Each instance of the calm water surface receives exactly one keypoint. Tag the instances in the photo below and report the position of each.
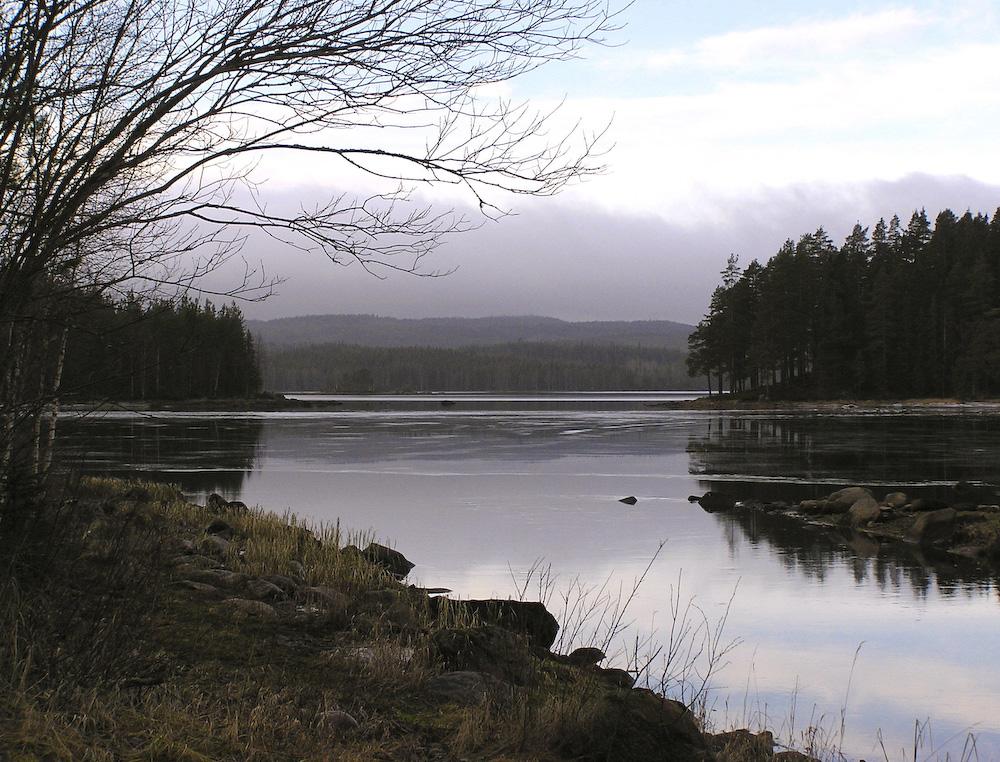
(475, 497)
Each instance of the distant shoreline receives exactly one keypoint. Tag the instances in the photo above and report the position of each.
(724, 403)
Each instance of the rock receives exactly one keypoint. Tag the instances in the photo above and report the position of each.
(216, 503)
(199, 587)
(297, 569)
(630, 500)
(527, 617)
(262, 590)
(988, 508)
(743, 745)
(933, 526)
(636, 725)
(896, 500)
(715, 502)
(864, 511)
(812, 507)
(217, 577)
(586, 657)
(619, 678)
(287, 584)
(927, 504)
(842, 500)
(242, 607)
(336, 721)
(486, 649)
(214, 545)
(391, 560)
(238, 507)
(467, 688)
(185, 546)
(323, 597)
(137, 495)
(793, 756)
(220, 528)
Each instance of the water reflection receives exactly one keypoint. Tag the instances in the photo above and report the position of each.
(810, 551)
(203, 454)
(822, 450)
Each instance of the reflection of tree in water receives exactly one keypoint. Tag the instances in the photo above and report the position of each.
(864, 449)
(202, 455)
(812, 551)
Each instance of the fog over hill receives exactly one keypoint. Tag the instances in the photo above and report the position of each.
(376, 331)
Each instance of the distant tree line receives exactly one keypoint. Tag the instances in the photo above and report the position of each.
(521, 366)
(905, 311)
(139, 349)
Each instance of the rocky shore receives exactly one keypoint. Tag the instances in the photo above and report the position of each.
(965, 524)
(247, 635)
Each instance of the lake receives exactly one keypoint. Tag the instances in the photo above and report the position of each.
(479, 493)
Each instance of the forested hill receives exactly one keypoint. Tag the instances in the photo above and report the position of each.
(905, 311)
(375, 331)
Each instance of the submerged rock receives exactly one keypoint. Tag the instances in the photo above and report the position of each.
(630, 500)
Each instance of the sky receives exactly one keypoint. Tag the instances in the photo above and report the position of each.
(733, 127)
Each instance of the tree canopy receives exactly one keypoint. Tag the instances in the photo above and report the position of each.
(900, 312)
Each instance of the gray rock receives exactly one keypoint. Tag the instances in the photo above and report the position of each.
(616, 677)
(217, 577)
(326, 598)
(199, 587)
(287, 584)
(336, 721)
(242, 607)
(864, 511)
(214, 545)
(262, 590)
(812, 507)
(927, 504)
(220, 528)
(238, 507)
(586, 657)
(528, 617)
(896, 499)
(216, 503)
(933, 526)
(466, 688)
(842, 500)
(630, 500)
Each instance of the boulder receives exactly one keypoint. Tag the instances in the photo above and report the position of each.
(527, 617)
(336, 722)
(243, 608)
(618, 678)
(635, 725)
(487, 649)
(214, 545)
(464, 687)
(630, 500)
(220, 528)
(216, 503)
(262, 590)
(326, 598)
(391, 560)
(743, 745)
(201, 588)
(864, 511)
(793, 756)
(586, 657)
(933, 526)
(927, 504)
(812, 507)
(238, 507)
(715, 502)
(287, 584)
(842, 500)
(896, 500)
(218, 577)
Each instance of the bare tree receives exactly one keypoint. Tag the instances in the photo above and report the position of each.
(130, 129)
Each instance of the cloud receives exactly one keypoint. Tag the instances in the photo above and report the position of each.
(803, 42)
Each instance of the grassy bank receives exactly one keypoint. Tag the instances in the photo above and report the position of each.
(140, 626)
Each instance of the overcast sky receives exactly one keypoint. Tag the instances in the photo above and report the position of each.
(735, 127)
